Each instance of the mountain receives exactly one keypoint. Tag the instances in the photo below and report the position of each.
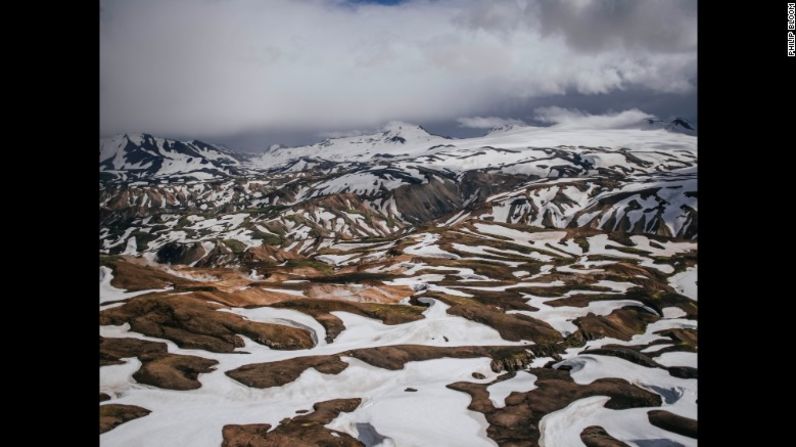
(142, 156)
(405, 142)
(402, 288)
(504, 128)
(396, 139)
(638, 181)
(674, 125)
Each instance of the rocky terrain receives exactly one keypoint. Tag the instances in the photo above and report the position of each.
(534, 286)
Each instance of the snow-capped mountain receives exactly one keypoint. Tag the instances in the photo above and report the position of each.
(674, 125)
(142, 156)
(630, 180)
(396, 139)
(501, 147)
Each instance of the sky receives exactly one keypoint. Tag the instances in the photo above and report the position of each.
(251, 73)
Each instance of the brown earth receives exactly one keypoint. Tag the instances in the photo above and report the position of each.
(158, 367)
(517, 424)
(381, 293)
(682, 337)
(673, 423)
(596, 436)
(657, 301)
(113, 350)
(301, 431)
(266, 375)
(270, 374)
(514, 327)
(134, 274)
(113, 415)
(320, 310)
(173, 371)
(622, 323)
(625, 353)
(193, 321)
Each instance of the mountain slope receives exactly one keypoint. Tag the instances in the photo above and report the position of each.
(142, 156)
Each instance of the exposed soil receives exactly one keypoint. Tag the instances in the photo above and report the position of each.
(113, 415)
(158, 367)
(673, 423)
(266, 375)
(517, 424)
(300, 431)
(514, 327)
(320, 310)
(193, 321)
(172, 371)
(270, 374)
(622, 323)
(596, 436)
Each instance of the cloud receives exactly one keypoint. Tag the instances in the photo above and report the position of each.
(206, 68)
(649, 25)
(573, 118)
(342, 133)
(487, 122)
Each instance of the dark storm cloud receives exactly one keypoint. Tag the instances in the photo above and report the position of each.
(288, 71)
(647, 25)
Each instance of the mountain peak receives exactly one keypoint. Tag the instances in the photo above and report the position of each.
(681, 122)
(142, 155)
(403, 128)
(504, 128)
(676, 124)
(136, 138)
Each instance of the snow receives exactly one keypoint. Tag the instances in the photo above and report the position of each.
(523, 144)
(434, 415)
(492, 251)
(356, 148)
(431, 330)
(360, 183)
(678, 396)
(428, 248)
(685, 282)
(563, 427)
(656, 348)
(673, 312)
(131, 248)
(678, 358)
(347, 246)
(116, 149)
(284, 291)
(458, 217)
(122, 238)
(116, 380)
(669, 248)
(561, 317)
(196, 417)
(336, 259)
(538, 240)
(522, 382)
(556, 283)
(615, 286)
(598, 246)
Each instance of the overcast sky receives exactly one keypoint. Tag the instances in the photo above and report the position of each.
(250, 73)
